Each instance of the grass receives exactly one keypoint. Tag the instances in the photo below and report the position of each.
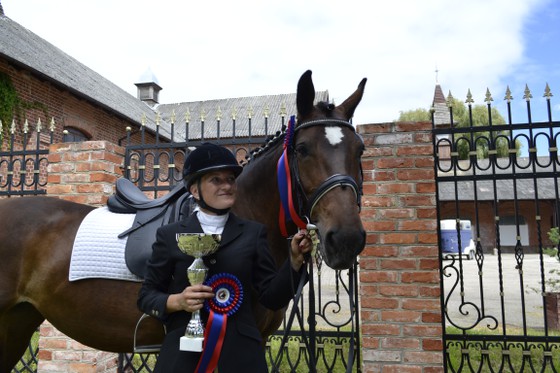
(28, 362)
(332, 353)
(486, 352)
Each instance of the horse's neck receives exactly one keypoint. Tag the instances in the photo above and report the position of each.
(258, 198)
(257, 195)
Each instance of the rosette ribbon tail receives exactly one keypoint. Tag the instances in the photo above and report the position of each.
(228, 299)
(213, 340)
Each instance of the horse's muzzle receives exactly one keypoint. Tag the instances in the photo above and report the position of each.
(341, 247)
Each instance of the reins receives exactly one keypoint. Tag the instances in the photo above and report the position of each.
(310, 346)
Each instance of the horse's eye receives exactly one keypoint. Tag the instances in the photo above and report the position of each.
(301, 149)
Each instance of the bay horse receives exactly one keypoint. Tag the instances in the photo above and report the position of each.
(37, 235)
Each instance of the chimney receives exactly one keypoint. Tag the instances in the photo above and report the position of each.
(148, 88)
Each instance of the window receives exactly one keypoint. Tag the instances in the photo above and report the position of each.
(74, 135)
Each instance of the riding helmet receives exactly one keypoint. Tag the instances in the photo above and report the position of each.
(208, 157)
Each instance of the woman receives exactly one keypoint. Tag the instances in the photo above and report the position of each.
(209, 175)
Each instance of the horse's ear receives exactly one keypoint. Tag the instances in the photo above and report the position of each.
(350, 104)
(305, 95)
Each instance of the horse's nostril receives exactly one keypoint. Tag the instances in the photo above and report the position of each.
(341, 247)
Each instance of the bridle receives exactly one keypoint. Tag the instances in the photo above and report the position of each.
(304, 210)
(301, 205)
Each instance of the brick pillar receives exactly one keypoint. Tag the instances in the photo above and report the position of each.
(82, 172)
(399, 268)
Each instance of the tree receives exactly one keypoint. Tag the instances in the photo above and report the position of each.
(418, 115)
(500, 140)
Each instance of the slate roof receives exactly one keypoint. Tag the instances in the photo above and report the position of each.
(26, 49)
(265, 113)
(525, 174)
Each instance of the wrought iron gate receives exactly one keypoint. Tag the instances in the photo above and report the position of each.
(497, 316)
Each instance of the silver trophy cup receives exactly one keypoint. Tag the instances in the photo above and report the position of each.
(197, 245)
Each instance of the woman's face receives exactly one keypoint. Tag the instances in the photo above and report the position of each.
(218, 189)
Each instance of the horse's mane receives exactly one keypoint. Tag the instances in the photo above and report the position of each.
(325, 107)
(269, 143)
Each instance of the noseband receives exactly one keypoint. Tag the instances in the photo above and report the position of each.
(305, 205)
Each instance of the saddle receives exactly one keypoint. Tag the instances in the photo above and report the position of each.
(150, 215)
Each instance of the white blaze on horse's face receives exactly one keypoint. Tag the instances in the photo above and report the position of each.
(334, 135)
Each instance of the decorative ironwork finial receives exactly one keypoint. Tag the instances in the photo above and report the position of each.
(283, 111)
(469, 101)
(202, 114)
(26, 126)
(128, 128)
(158, 118)
(508, 97)
(527, 93)
(449, 100)
(39, 125)
(173, 117)
(13, 127)
(188, 116)
(266, 111)
(143, 121)
(234, 113)
(488, 97)
(52, 125)
(547, 93)
(219, 114)
(250, 112)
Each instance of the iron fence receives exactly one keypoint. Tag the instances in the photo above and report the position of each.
(503, 180)
(23, 160)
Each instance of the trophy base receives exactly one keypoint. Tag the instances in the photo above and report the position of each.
(193, 344)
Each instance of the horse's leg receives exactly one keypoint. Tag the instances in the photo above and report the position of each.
(17, 325)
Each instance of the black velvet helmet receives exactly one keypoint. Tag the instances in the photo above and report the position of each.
(208, 157)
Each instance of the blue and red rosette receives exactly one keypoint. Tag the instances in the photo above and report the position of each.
(228, 299)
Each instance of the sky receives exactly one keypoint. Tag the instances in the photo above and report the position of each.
(218, 49)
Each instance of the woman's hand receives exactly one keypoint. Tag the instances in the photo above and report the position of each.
(191, 299)
(301, 244)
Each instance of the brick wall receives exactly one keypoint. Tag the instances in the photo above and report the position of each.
(85, 173)
(399, 277)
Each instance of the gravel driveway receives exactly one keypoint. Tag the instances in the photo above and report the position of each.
(496, 310)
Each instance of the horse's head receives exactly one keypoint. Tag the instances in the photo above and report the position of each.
(327, 160)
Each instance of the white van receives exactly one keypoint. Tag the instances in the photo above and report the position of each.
(450, 238)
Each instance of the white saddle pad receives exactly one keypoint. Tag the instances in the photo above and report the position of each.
(97, 251)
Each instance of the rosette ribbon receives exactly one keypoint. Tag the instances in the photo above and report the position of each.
(228, 299)
(284, 176)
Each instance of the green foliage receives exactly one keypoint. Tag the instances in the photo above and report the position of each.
(418, 115)
(478, 116)
(554, 235)
(552, 282)
(8, 103)
(13, 107)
